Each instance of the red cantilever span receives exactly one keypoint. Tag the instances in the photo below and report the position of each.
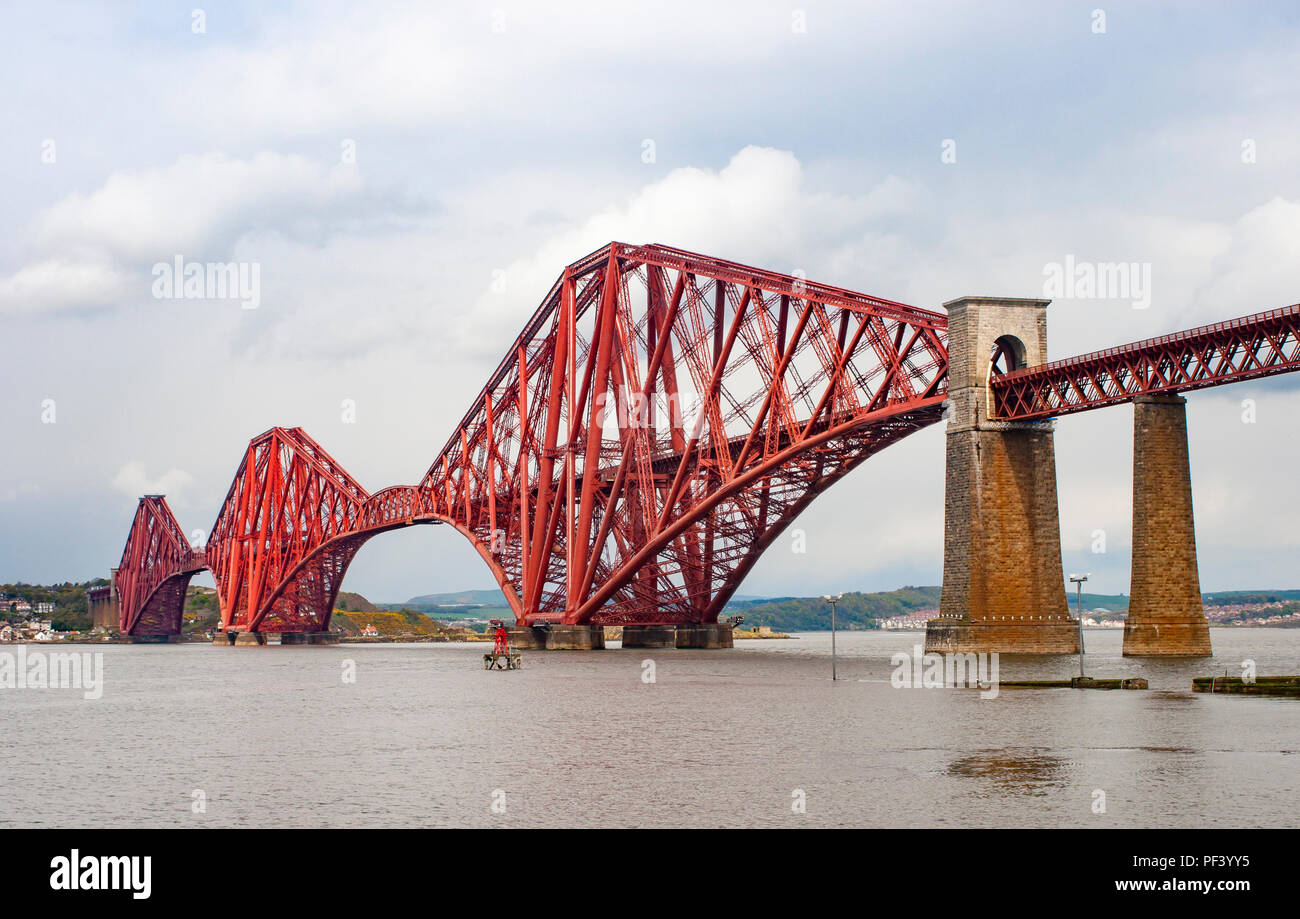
(156, 567)
(282, 542)
(661, 419)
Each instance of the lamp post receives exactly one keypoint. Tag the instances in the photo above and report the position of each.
(832, 600)
(1078, 580)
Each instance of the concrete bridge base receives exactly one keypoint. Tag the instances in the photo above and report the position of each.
(1166, 637)
(650, 636)
(592, 637)
(250, 639)
(701, 636)
(308, 638)
(1028, 635)
(1003, 585)
(707, 635)
(557, 638)
(1003, 588)
(1165, 615)
(154, 639)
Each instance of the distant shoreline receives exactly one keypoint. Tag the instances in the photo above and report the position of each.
(483, 638)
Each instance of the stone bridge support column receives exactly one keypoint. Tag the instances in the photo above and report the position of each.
(106, 611)
(556, 637)
(1003, 584)
(1165, 614)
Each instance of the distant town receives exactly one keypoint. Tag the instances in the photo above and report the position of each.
(39, 613)
(1272, 615)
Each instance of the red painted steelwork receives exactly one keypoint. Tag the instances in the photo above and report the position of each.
(156, 567)
(285, 534)
(1253, 346)
(660, 420)
(663, 417)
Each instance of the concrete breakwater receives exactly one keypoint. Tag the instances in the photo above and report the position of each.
(1259, 686)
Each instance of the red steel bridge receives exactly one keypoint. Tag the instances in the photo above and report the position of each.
(660, 420)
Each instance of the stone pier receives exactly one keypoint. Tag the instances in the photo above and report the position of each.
(1165, 614)
(556, 638)
(1003, 584)
(104, 605)
(251, 639)
(709, 635)
(308, 638)
(704, 636)
(697, 636)
(649, 636)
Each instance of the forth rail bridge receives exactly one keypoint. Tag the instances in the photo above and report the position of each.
(664, 416)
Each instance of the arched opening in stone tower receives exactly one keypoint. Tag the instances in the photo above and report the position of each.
(1008, 354)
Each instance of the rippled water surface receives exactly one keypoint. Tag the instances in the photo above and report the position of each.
(424, 737)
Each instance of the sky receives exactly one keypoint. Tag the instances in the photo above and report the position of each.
(409, 181)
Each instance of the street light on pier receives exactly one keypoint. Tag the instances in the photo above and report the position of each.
(832, 600)
(1078, 579)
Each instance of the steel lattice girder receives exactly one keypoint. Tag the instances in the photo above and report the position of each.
(1226, 352)
(660, 420)
(663, 417)
(284, 535)
(156, 567)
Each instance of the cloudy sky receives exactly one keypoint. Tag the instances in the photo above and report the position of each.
(383, 167)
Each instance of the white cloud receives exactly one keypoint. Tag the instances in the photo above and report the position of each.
(97, 248)
(755, 210)
(134, 481)
(197, 201)
(56, 283)
(1259, 268)
(300, 74)
(356, 70)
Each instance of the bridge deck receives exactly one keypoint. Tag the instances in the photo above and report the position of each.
(1262, 344)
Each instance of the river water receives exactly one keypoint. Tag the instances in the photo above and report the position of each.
(192, 735)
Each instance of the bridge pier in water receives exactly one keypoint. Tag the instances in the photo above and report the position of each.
(1165, 614)
(1003, 587)
(1003, 583)
(704, 635)
(254, 639)
(693, 636)
(696, 636)
(650, 637)
(556, 638)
